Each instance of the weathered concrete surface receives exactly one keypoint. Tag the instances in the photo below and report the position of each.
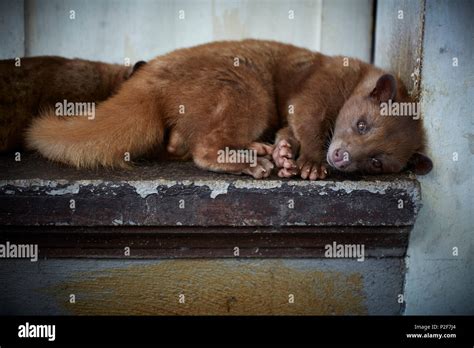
(438, 281)
(35, 192)
(440, 278)
(12, 29)
(231, 287)
(398, 39)
(205, 242)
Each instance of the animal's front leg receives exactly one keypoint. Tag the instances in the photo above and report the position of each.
(285, 152)
(310, 128)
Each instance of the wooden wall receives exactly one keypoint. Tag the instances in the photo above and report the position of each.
(112, 30)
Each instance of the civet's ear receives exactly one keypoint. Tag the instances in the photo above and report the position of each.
(137, 66)
(385, 89)
(420, 164)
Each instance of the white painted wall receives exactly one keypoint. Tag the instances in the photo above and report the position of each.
(437, 282)
(399, 38)
(111, 30)
(347, 28)
(12, 33)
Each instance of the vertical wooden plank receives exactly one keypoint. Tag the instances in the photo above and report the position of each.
(109, 30)
(12, 29)
(112, 30)
(347, 28)
(296, 22)
(398, 39)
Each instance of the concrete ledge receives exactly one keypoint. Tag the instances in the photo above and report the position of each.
(173, 210)
(34, 192)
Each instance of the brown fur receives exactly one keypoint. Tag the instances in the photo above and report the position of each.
(227, 106)
(40, 82)
(392, 140)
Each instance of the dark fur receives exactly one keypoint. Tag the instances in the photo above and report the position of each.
(40, 82)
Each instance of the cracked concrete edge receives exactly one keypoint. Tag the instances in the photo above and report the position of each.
(217, 187)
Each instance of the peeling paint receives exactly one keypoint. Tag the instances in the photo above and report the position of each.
(377, 187)
(118, 222)
(69, 189)
(257, 184)
(296, 224)
(416, 78)
(217, 187)
(146, 188)
(143, 188)
(335, 191)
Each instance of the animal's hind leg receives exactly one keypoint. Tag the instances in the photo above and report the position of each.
(233, 159)
(228, 141)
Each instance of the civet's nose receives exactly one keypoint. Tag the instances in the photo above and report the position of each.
(340, 158)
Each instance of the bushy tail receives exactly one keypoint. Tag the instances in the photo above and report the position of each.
(123, 128)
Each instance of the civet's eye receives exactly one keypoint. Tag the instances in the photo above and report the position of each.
(362, 127)
(376, 163)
